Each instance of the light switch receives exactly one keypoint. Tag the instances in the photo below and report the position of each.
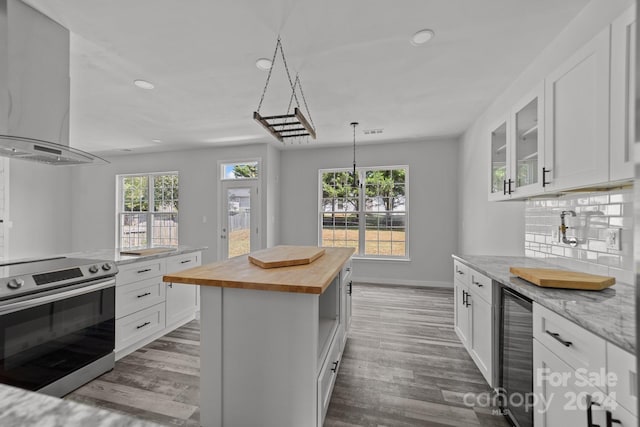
(612, 237)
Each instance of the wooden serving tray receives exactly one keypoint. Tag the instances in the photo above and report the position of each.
(285, 256)
(552, 278)
(150, 251)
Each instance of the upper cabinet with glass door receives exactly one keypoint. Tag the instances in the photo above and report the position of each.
(500, 168)
(517, 150)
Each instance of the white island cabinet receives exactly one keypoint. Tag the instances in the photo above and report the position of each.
(146, 306)
(271, 339)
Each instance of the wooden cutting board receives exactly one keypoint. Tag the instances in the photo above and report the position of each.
(285, 256)
(552, 278)
(144, 252)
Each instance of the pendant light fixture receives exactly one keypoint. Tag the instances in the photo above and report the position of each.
(355, 177)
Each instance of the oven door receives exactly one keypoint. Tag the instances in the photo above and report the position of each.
(46, 337)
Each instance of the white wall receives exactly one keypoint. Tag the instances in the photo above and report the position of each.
(94, 190)
(39, 207)
(273, 196)
(498, 227)
(433, 205)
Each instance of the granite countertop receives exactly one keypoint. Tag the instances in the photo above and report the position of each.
(21, 408)
(114, 254)
(609, 313)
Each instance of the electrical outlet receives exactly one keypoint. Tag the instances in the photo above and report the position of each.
(612, 237)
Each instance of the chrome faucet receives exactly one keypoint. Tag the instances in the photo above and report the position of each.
(572, 241)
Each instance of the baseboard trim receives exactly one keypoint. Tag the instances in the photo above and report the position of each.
(402, 282)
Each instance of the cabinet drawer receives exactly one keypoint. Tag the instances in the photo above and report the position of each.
(137, 326)
(460, 273)
(182, 262)
(327, 379)
(136, 296)
(139, 271)
(573, 344)
(480, 285)
(625, 386)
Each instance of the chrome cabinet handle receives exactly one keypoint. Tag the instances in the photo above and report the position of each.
(556, 336)
(185, 261)
(144, 295)
(144, 271)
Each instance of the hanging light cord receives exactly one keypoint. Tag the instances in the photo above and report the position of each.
(355, 179)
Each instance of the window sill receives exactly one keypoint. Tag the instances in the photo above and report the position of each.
(366, 258)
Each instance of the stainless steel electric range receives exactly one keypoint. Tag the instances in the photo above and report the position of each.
(57, 323)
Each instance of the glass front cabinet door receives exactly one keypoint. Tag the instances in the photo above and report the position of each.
(517, 156)
(499, 165)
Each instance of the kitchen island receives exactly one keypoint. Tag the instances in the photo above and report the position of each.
(271, 339)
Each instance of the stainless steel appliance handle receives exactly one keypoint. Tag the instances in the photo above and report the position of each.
(25, 304)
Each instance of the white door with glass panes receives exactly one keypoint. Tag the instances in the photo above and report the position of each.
(240, 231)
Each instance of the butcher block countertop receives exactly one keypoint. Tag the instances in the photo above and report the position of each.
(240, 273)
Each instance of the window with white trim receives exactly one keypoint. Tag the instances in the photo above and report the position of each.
(147, 210)
(370, 216)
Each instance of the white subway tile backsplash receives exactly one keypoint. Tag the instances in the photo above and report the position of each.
(595, 213)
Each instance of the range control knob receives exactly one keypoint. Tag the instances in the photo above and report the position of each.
(15, 283)
(93, 269)
(106, 266)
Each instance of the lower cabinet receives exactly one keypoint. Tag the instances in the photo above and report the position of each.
(181, 302)
(560, 399)
(146, 307)
(473, 319)
(327, 379)
(579, 378)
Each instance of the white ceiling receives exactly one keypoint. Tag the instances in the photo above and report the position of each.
(354, 59)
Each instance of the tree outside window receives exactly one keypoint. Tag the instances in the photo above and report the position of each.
(370, 217)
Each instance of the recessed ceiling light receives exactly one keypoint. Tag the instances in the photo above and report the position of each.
(422, 37)
(143, 84)
(263, 64)
(156, 141)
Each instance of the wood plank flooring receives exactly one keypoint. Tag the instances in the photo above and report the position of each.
(403, 366)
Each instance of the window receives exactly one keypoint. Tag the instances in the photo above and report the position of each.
(240, 170)
(148, 210)
(370, 217)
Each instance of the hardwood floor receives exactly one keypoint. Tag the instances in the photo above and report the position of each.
(403, 366)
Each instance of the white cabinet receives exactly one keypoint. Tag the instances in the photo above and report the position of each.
(561, 399)
(623, 99)
(580, 375)
(625, 387)
(146, 307)
(347, 286)
(473, 316)
(517, 149)
(182, 300)
(577, 117)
